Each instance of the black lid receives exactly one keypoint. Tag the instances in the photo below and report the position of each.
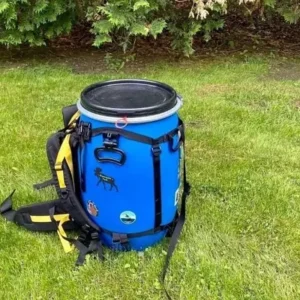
(129, 97)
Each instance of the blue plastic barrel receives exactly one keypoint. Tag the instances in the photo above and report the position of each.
(119, 181)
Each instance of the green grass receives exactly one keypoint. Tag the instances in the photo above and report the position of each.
(242, 235)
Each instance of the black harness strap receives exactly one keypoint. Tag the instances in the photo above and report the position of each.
(95, 245)
(22, 216)
(180, 221)
(156, 152)
(142, 233)
(87, 242)
(6, 210)
(42, 185)
(136, 136)
(72, 204)
(128, 134)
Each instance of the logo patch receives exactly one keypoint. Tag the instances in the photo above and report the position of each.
(105, 179)
(92, 208)
(128, 217)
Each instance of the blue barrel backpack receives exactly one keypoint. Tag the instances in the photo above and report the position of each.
(118, 167)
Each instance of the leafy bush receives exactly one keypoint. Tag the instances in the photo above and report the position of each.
(33, 22)
(122, 21)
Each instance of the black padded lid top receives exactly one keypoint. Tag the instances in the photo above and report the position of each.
(131, 98)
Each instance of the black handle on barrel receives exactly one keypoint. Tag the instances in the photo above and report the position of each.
(119, 161)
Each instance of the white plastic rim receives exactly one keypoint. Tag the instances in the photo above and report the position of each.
(135, 120)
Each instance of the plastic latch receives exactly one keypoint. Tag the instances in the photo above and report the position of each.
(156, 150)
(111, 139)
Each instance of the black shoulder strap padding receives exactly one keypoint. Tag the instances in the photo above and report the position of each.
(52, 148)
(22, 216)
(68, 112)
(69, 201)
(72, 204)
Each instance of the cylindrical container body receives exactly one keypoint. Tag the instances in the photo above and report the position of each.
(120, 198)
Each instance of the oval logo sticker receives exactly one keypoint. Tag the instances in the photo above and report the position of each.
(128, 217)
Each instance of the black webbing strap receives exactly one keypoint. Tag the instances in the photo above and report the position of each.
(142, 233)
(136, 136)
(95, 245)
(87, 242)
(128, 134)
(6, 210)
(42, 185)
(156, 152)
(180, 221)
(26, 216)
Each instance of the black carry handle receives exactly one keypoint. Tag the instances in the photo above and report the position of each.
(119, 161)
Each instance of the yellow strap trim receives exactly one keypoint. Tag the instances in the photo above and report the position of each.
(68, 247)
(73, 120)
(74, 117)
(63, 218)
(64, 153)
(45, 219)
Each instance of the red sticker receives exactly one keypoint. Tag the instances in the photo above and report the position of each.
(92, 209)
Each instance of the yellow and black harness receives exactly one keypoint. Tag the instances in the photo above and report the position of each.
(66, 212)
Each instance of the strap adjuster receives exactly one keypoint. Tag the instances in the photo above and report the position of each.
(111, 140)
(84, 130)
(156, 150)
(119, 238)
(58, 167)
(95, 235)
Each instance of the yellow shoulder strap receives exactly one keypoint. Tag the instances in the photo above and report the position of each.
(65, 153)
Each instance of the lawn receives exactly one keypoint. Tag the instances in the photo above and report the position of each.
(241, 239)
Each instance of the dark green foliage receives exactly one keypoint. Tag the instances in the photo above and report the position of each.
(33, 22)
(122, 21)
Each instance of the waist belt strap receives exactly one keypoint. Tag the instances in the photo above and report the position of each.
(35, 217)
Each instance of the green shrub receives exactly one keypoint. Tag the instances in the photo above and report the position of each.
(33, 22)
(122, 21)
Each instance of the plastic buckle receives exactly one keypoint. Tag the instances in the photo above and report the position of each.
(156, 150)
(94, 235)
(111, 140)
(116, 238)
(87, 132)
(84, 130)
(123, 239)
(178, 144)
(120, 238)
